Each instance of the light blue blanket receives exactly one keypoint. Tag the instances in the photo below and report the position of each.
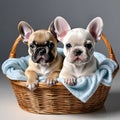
(86, 86)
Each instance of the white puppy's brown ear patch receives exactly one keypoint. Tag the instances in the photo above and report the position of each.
(95, 27)
(61, 27)
(25, 30)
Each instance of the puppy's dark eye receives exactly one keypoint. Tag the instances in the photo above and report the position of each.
(88, 45)
(51, 45)
(68, 45)
(32, 45)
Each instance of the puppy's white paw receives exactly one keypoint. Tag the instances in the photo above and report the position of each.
(32, 84)
(70, 81)
(51, 81)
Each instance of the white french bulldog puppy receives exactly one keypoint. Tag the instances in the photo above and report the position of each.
(78, 48)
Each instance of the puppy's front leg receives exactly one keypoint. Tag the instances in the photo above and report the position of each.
(52, 77)
(32, 81)
(68, 78)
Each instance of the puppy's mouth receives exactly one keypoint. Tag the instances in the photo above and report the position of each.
(79, 59)
(39, 59)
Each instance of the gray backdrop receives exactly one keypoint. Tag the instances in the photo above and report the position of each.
(39, 14)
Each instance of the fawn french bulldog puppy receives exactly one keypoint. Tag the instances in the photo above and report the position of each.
(78, 48)
(44, 59)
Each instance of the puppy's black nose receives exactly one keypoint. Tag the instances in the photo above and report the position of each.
(77, 52)
(42, 51)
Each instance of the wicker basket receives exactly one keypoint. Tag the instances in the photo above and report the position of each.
(57, 99)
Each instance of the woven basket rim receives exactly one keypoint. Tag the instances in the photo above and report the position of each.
(22, 83)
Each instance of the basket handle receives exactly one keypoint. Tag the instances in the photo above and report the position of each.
(14, 47)
(103, 37)
(110, 51)
(108, 46)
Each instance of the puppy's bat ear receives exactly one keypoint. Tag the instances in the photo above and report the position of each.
(25, 30)
(61, 27)
(95, 28)
(51, 28)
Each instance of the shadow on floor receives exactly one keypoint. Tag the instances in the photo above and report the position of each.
(113, 102)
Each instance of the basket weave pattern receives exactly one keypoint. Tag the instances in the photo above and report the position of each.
(57, 99)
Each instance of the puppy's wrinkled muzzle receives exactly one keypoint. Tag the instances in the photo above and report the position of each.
(40, 56)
